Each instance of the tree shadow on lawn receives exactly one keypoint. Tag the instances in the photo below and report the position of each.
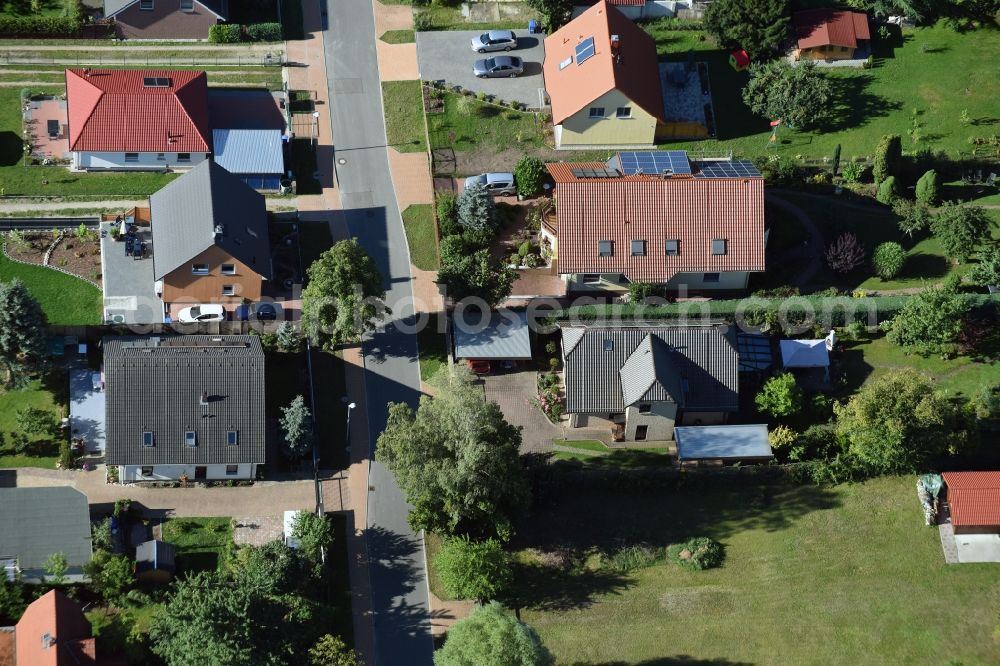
(853, 106)
(922, 265)
(11, 149)
(967, 192)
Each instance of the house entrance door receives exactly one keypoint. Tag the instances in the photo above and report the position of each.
(200, 472)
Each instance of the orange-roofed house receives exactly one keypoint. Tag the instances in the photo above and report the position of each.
(126, 119)
(974, 501)
(657, 217)
(603, 80)
(54, 632)
(831, 34)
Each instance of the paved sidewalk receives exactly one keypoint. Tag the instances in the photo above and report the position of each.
(411, 175)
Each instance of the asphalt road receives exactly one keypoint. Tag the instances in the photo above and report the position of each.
(397, 564)
(448, 56)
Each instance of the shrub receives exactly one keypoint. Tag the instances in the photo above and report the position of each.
(39, 25)
(638, 292)
(929, 188)
(781, 437)
(887, 191)
(913, 216)
(422, 21)
(529, 172)
(524, 250)
(264, 32)
(554, 363)
(986, 402)
(845, 254)
(961, 229)
(854, 172)
(697, 554)
(469, 569)
(888, 260)
(447, 214)
(224, 33)
(550, 347)
(986, 272)
(630, 558)
(888, 155)
(780, 396)
(465, 106)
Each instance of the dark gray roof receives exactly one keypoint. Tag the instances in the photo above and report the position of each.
(218, 7)
(156, 385)
(503, 336)
(154, 554)
(609, 368)
(209, 206)
(37, 522)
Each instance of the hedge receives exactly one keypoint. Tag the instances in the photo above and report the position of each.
(224, 33)
(47, 25)
(264, 32)
(830, 311)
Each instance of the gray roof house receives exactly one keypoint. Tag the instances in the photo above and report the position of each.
(207, 208)
(188, 405)
(165, 19)
(640, 380)
(38, 522)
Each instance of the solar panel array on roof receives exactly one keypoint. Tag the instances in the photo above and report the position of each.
(727, 169)
(584, 50)
(595, 173)
(655, 162)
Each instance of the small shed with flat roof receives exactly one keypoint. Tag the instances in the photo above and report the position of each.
(502, 335)
(726, 443)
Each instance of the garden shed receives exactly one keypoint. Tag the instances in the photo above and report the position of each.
(154, 562)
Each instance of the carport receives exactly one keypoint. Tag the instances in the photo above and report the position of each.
(447, 56)
(497, 336)
(723, 444)
(86, 408)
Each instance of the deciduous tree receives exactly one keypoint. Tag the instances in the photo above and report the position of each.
(913, 216)
(759, 26)
(897, 423)
(470, 569)
(987, 271)
(56, 567)
(456, 459)
(344, 296)
(491, 636)
(780, 396)
(529, 174)
(331, 650)
(475, 275)
(800, 96)
(111, 576)
(961, 229)
(930, 320)
(846, 253)
(315, 536)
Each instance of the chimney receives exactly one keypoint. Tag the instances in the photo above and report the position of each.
(616, 52)
(219, 229)
(203, 401)
(48, 640)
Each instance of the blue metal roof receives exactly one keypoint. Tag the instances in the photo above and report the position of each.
(722, 441)
(248, 150)
(504, 337)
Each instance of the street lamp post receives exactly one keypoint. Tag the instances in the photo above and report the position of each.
(347, 437)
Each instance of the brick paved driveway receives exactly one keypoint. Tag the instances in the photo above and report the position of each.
(514, 391)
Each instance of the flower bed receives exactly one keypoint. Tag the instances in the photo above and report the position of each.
(75, 253)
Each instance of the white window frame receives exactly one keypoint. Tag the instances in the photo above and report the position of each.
(566, 63)
(232, 437)
(190, 438)
(597, 113)
(197, 270)
(591, 278)
(229, 290)
(228, 269)
(623, 113)
(148, 435)
(143, 472)
(189, 7)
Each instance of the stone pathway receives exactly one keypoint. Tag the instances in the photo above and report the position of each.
(947, 533)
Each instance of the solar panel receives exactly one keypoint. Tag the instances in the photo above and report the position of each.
(584, 50)
(156, 82)
(655, 162)
(727, 169)
(595, 173)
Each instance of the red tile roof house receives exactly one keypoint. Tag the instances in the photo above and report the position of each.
(696, 227)
(165, 19)
(54, 632)
(140, 120)
(974, 501)
(829, 34)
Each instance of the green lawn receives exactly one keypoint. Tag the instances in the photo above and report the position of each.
(48, 394)
(433, 354)
(812, 575)
(471, 124)
(960, 376)
(404, 120)
(449, 17)
(200, 542)
(583, 444)
(24, 8)
(418, 221)
(936, 71)
(398, 37)
(66, 300)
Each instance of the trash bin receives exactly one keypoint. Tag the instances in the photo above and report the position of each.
(533, 27)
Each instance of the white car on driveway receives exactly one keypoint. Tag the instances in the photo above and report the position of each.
(199, 313)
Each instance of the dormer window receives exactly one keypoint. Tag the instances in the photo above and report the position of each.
(187, 5)
(147, 438)
(190, 438)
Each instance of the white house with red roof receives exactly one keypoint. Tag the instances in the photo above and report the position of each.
(137, 119)
(657, 217)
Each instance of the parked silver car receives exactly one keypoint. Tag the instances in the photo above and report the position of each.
(496, 182)
(494, 40)
(497, 67)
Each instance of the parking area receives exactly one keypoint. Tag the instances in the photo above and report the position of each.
(514, 392)
(448, 56)
(129, 287)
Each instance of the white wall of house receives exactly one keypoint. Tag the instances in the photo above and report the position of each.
(144, 161)
(659, 421)
(651, 9)
(132, 473)
(729, 281)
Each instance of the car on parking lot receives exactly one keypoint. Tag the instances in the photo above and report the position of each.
(479, 367)
(498, 67)
(496, 183)
(259, 312)
(494, 40)
(200, 313)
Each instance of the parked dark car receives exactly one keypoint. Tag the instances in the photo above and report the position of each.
(259, 312)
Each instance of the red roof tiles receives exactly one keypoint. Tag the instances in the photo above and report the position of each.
(635, 73)
(824, 27)
(974, 497)
(56, 616)
(694, 211)
(112, 111)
